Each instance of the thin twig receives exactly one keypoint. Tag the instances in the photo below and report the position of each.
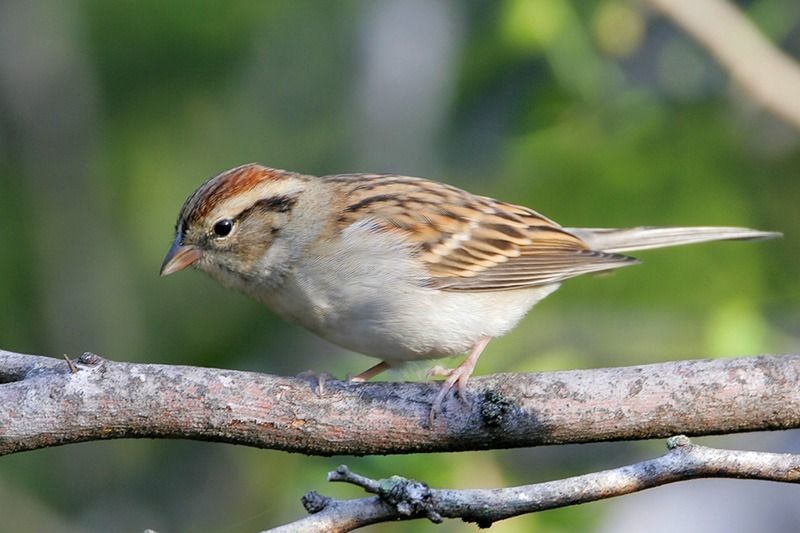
(402, 499)
(73, 368)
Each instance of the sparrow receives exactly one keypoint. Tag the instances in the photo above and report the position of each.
(395, 267)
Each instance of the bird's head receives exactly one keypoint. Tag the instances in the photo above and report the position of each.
(228, 227)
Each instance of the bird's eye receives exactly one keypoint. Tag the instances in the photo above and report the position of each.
(223, 227)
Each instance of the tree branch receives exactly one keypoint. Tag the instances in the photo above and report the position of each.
(768, 74)
(402, 499)
(44, 403)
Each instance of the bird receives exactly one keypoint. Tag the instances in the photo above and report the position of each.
(395, 267)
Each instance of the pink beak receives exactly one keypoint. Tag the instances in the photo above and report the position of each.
(179, 257)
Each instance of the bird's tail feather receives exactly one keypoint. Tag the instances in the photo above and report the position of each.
(645, 238)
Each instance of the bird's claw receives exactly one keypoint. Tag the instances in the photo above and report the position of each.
(455, 377)
(317, 381)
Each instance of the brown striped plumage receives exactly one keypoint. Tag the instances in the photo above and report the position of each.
(469, 242)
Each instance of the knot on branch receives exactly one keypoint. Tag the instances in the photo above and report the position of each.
(495, 408)
(314, 502)
(89, 359)
(678, 441)
(86, 359)
(410, 498)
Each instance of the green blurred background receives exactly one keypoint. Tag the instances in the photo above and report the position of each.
(596, 113)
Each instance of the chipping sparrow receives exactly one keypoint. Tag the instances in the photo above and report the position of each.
(395, 267)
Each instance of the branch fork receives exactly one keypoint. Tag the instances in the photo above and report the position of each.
(399, 498)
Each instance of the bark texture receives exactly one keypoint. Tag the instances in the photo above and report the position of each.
(48, 402)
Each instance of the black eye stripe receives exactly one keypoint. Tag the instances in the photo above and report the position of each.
(276, 204)
(280, 204)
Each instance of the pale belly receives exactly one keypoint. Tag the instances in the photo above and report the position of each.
(441, 324)
(375, 306)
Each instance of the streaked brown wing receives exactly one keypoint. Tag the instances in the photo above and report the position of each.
(472, 243)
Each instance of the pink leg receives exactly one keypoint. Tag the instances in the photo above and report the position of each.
(371, 372)
(458, 375)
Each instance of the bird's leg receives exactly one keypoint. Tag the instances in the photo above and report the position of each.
(458, 375)
(371, 372)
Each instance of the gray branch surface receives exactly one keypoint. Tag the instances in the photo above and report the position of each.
(398, 498)
(48, 402)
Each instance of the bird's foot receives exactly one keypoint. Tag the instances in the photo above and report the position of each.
(455, 377)
(316, 380)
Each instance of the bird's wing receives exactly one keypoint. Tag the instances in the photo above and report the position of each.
(468, 242)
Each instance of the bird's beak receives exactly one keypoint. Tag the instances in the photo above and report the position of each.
(179, 257)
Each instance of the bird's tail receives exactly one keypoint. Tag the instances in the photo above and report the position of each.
(645, 238)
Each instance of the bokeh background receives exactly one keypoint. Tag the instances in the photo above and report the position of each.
(596, 113)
